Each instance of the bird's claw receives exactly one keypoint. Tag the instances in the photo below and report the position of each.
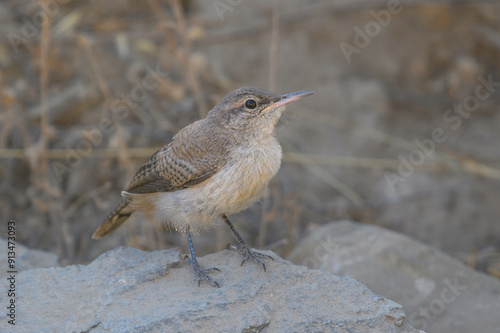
(248, 253)
(202, 273)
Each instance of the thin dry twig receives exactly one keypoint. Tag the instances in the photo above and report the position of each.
(443, 160)
(41, 169)
(268, 213)
(295, 212)
(335, 183)
(106, 92)
(477, 168)
(273, 49)
(345, 161)
(186, 58)
(164, 26)
(61, 154)
(469, 164)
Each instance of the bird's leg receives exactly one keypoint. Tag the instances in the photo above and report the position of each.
(244, 249)
(200, 272)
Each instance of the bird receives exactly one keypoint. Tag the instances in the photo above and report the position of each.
(212, 168)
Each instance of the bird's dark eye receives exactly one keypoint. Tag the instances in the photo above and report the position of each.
(250, 104)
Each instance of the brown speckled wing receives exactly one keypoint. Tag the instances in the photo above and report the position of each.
(189, 159)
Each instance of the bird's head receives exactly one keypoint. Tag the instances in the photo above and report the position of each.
(252, 110)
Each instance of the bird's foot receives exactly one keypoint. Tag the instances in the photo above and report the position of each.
(248, 253)
(202, 273)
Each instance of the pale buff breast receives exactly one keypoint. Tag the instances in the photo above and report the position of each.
(240, 183)
(245, 178)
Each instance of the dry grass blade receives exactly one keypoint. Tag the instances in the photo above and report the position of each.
(273, 49)
(479, 169)
(358, 162)
(466, 163)
(61, 154)
(186, 58)
(44, 79)
(332, 181)
(439, 160)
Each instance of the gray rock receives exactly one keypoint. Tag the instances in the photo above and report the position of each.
(26, 258)
(129, 290)
(438, 293)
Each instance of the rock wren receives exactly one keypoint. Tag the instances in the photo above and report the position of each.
(213, 167)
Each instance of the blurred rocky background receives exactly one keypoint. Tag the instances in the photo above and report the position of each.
(403, 132)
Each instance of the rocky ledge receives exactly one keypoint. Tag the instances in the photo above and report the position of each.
(129, 290)
(438, 292)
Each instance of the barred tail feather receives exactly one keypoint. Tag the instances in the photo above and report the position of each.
(121, 213)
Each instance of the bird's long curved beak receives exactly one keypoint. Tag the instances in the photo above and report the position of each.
(289, 98)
